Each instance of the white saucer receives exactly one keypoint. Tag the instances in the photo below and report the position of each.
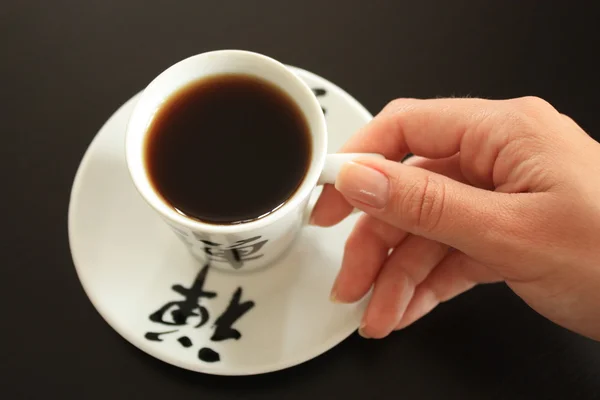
(130, 265)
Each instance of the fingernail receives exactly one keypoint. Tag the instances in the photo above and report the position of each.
(361, 331)
(333, 297)
(364, 184)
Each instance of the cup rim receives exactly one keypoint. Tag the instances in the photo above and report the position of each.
(143, 185)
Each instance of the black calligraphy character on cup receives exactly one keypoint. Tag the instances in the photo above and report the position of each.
(320, 92)
(235, 254)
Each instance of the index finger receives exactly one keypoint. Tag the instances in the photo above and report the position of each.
(431, 128)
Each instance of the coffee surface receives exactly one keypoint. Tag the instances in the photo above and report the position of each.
(227, 149)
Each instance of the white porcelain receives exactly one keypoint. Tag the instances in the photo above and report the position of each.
(250, 245)
(129, 264)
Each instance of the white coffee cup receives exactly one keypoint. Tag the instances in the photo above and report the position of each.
(248, 245)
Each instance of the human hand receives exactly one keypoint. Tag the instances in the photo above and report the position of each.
(504, 190)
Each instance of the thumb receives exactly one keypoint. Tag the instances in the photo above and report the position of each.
(428, 204)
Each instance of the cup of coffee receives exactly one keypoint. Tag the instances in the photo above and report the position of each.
(227, 147)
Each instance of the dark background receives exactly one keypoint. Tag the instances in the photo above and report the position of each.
(66, 65)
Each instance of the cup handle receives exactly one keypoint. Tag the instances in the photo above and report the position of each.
(333, 165)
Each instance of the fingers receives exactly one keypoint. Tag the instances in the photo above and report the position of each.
(331, 208)
(428, 126)
(366, 250)
(434, 129)
(456, 274)
(449, 166)
(428, 204)
(431, 128)
(406, 267)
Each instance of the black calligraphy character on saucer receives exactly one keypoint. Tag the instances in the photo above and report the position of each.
(224, 325)
(237, 253)
(320, 92)
(180, 311)
(177, 314)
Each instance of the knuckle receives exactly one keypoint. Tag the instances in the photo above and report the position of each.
(421, 204)
(393, 105)
(532, 105)
(397, 105)
(518, 123)
(533, 101)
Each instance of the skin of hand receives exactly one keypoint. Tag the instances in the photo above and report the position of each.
(497, 190)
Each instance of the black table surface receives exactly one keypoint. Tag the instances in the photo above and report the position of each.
(66, 65)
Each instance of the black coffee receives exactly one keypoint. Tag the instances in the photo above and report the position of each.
(228, 149)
